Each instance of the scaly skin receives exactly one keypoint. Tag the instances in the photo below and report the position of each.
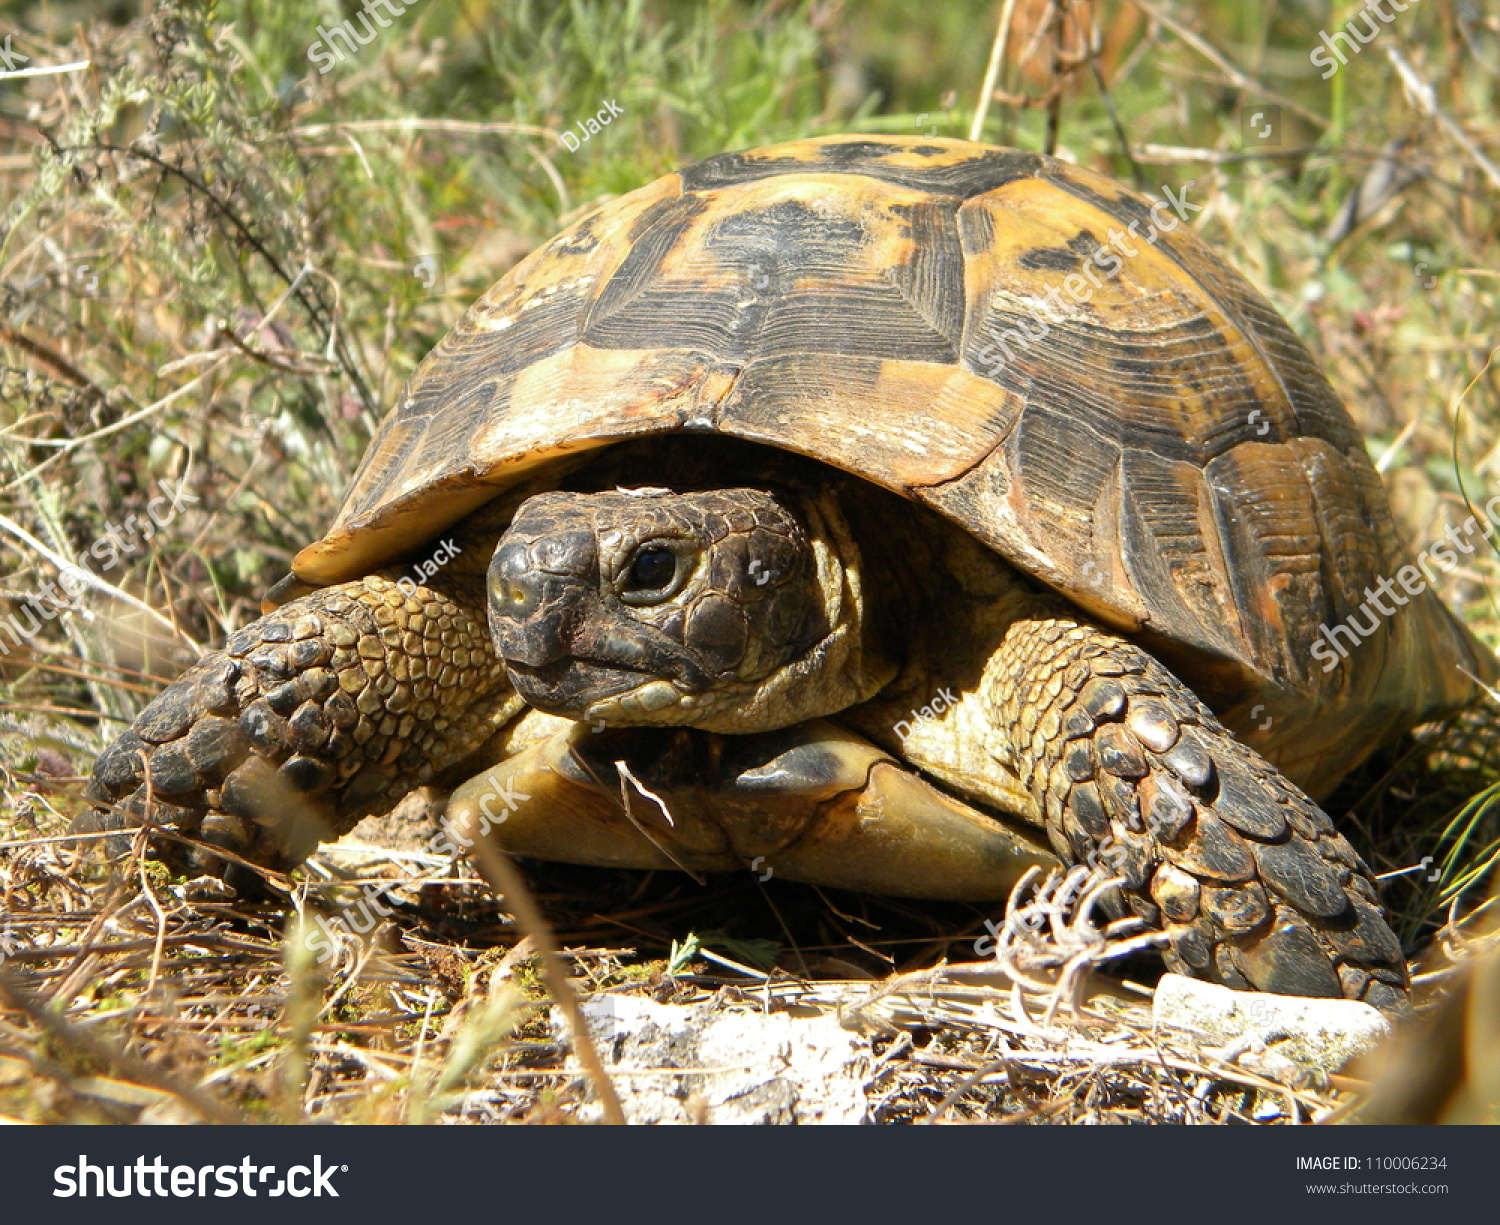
(332, 707)
(1246, 875)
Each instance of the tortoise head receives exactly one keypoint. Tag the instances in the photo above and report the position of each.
(728, 609)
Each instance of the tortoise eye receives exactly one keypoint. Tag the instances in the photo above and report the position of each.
(652, 571)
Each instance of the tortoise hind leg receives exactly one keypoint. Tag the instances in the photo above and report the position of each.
(1247, 875)
(331, 707)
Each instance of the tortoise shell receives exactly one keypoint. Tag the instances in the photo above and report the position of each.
(1048, 359)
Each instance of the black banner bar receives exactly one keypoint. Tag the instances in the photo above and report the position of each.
(1155, 1174)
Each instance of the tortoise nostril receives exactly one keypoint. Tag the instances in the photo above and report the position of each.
(515, 601)
(515, 587)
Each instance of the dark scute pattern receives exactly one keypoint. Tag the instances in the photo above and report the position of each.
(1058, 258)
(973, 177)
(1167, 554)
(547, 326)
(669, 218)
(1124, 209)
(633, 310)
(798, 241)
(752, 312)
(933, 279)
(976, 230)
(1315, 407)
(1274, 552)
(1060, 367)
(1059, 454)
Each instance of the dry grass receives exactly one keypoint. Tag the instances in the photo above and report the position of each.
(217, 267)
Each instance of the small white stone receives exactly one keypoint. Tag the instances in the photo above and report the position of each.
(683, 1064)
(1318, 1034)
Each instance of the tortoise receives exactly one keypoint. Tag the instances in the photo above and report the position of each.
(896, 513)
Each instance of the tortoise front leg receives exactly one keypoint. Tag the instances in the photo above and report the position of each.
(1079, 730)
(332, 707)
(1246, 874)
